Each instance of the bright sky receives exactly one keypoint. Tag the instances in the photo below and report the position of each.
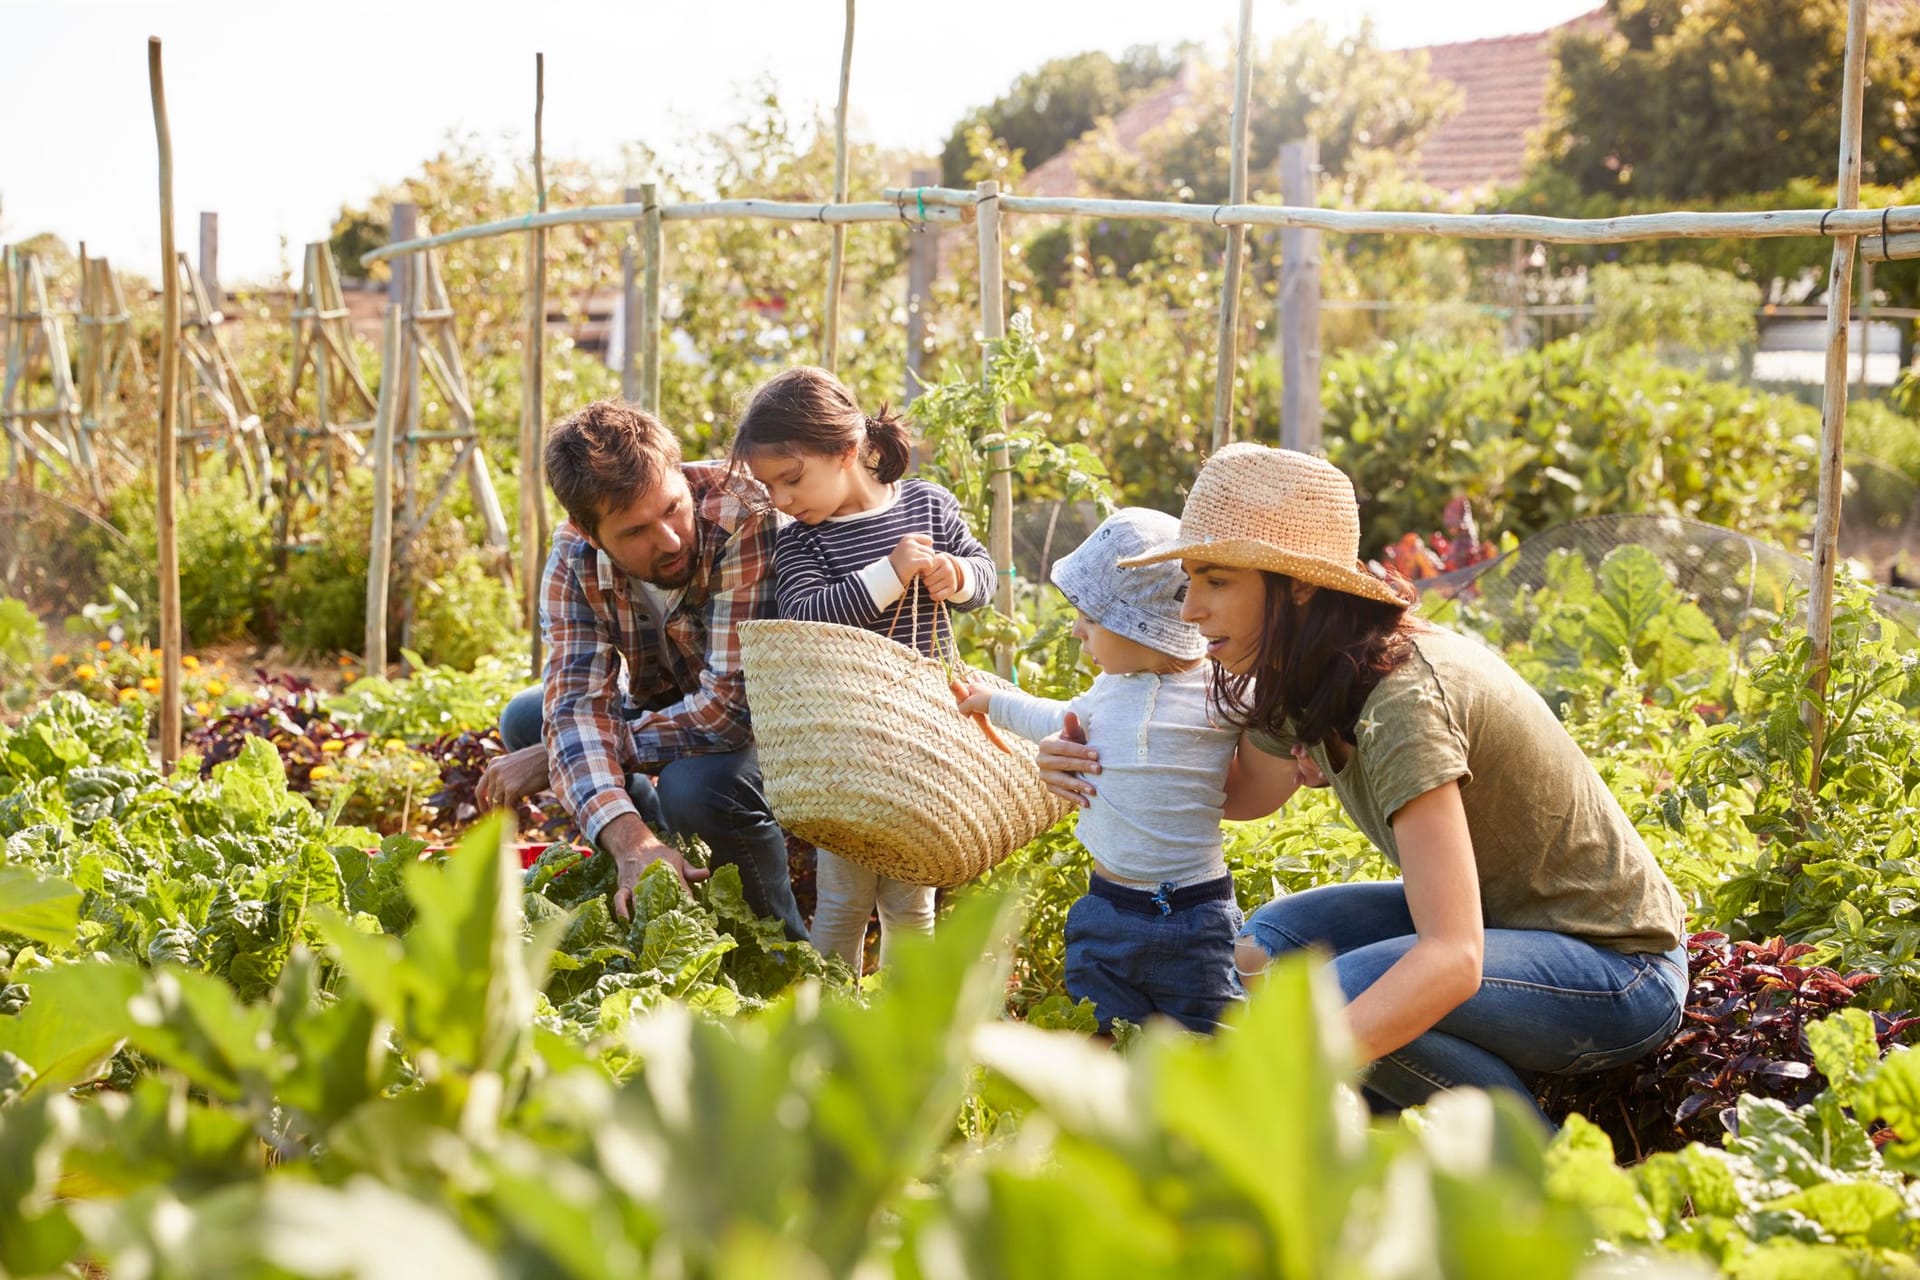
(281, 111)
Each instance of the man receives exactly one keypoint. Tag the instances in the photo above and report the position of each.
(657, 565)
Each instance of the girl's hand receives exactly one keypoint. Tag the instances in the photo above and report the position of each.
(1065, 759)
(912, 556)
(943, 577)
(977, 699)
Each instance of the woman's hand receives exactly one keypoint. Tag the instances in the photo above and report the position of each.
(1065, 759)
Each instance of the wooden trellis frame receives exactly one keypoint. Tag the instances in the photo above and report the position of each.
(49, 435)
(109, 358)
(216, 409)
(322, 343)
(421, 346)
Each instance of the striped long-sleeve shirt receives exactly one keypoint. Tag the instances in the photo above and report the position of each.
(837, 570)
(609, 651)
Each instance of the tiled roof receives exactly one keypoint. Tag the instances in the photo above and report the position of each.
(1503, 95)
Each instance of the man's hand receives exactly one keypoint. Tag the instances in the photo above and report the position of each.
(912, 556)
(944, 578)
(513, 777)
(633, 849)
(1064, 757)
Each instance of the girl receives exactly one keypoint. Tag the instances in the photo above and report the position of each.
(1154, 933)
(1531, 931)
(861, 540)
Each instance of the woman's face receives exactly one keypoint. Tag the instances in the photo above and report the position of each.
(1229, 606)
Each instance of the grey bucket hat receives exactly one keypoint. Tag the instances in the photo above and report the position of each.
(1141, 604)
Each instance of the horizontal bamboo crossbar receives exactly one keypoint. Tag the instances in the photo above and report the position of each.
(905, 209)
(1458, 226)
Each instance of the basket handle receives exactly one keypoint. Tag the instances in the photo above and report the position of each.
(948, 653)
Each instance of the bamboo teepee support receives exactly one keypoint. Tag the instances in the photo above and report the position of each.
(1833, 409)
(109, 357)
(51, 435)
(653, 250)
(1228, 349)
(322, 342)
(167, 480)
(836, 260)
(533, 387)
(215, 405)
(993, 327)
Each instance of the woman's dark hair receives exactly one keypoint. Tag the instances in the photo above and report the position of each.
(808, 410)
(1317, 662)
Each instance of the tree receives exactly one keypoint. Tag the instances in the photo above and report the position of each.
(1049, 107)
(1708, 99)
(1352, 95)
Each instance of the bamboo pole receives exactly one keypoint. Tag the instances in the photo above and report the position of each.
(993, 327)
(902, 209)
(1299, 305)
(1229, 340)
(167, 481)
(923, 264)
(533, 389)
(836, 261)
(380, 554)
(653, 246)
(629, 307)
(1833, 410)
(1772, 224)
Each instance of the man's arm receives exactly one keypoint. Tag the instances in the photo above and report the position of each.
(714, 718)
(588, 749)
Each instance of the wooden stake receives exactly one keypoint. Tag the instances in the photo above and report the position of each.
(533, 390)
(380, 554)
(923, 263)
(1833, 411)
(167, 535)
(836, 262)
(993, 327)
(630, 306)
(210, 258)
(1299, 305)
(653, 246)
(1229, 341)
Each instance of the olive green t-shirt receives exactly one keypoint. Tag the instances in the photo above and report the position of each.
(1553, 847)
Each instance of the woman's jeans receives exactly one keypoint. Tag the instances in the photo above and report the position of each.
(1547, 1004)
(715, 797)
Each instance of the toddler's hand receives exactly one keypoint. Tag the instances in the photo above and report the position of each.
(912, 556)
(976, 700)
(943, 577)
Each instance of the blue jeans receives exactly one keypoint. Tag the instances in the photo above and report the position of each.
(1133, 960)
(716, 797)
(1548, 1003)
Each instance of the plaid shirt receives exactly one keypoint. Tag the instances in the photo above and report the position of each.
(607, 652)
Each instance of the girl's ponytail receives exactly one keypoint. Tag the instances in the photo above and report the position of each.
(892, 447)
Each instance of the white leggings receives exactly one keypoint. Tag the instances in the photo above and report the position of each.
(845, 896)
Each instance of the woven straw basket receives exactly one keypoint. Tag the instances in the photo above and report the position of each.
(864, 752)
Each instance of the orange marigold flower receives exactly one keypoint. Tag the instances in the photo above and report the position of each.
(215, 688)
(151, 684)
(84, 671)
(105, 646)
(129, 694)
(57, 660)
(189, 662)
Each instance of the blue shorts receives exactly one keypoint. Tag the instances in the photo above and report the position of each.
(1135, 953)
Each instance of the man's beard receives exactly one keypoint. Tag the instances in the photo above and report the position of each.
(678, 579)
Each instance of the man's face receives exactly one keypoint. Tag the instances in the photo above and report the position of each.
(651, 538)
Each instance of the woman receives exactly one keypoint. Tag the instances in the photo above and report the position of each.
(1531, 930)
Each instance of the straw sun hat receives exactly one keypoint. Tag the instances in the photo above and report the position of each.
(1258, 508)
